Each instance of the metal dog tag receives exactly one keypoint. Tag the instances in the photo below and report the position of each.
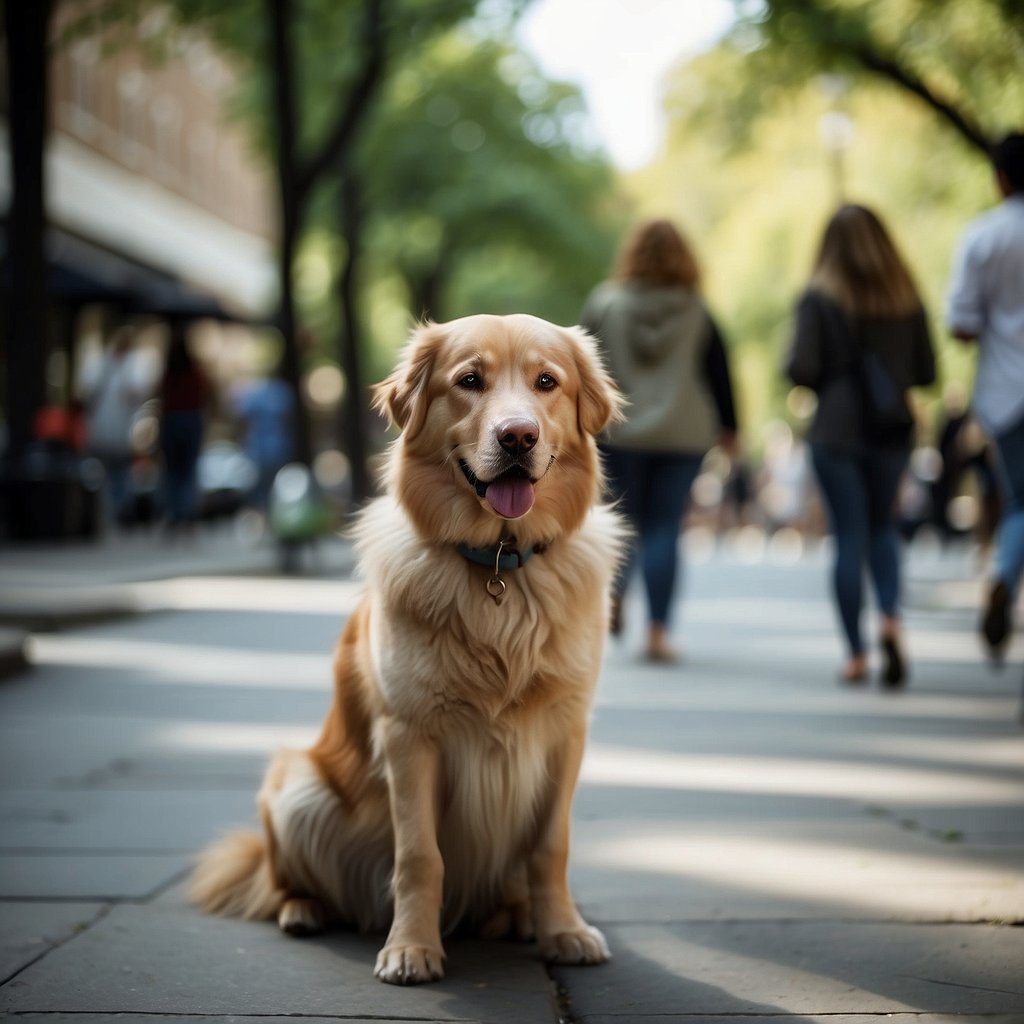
(496, 588)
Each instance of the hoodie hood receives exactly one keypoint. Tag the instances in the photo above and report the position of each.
(654, 341)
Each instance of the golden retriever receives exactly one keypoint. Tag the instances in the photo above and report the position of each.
(440, 789)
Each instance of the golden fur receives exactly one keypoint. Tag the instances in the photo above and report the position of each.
(439, 792)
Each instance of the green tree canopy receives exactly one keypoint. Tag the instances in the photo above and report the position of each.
(483, 195)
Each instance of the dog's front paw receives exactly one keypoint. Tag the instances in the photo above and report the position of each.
(409, 965)
(584, 945)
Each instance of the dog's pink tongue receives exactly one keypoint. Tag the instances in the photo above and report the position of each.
(511, 497)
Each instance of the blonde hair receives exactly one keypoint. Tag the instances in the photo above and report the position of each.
(656, 253)
(859, 267)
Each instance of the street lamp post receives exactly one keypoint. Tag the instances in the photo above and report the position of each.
(835, 129)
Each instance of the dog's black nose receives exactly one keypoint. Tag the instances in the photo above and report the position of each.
(517, 436)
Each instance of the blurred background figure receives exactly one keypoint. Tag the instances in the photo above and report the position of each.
(986, 304)
(265, 408)
(784, 492)
(949, 437)
(665, 352)
(184, 396)
(861, 301)
(738, 507)
(979, 459)
(113, 387)
(964, 496)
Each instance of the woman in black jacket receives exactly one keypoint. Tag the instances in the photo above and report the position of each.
(861, 301)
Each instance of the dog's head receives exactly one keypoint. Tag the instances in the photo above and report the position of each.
(498, 417)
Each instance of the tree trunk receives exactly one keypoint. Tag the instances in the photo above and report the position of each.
(27, 26)
(279, 18)
(353, 425)
(426, 289)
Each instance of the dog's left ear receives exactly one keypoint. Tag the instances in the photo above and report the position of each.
(600, 402)
(403, 396)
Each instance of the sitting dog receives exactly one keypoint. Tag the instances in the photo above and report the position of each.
(440, 789)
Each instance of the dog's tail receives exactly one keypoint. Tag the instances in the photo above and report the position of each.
(233, 878)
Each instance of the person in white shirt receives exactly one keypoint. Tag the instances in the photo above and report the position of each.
(113, 385)
(986, 304)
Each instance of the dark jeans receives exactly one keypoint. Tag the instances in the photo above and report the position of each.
(118, 470)
(1010, 545)
(860, 494)
(181, 435)
(654, 489)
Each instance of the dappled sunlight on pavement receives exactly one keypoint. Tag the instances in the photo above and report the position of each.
(803, 776)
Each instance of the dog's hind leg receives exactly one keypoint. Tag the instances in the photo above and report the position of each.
(300, 917)
(288, 798)
(514, 914)
(331, 863)
(301, 818)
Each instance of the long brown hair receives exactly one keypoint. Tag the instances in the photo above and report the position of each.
(656, 253)
(859, 267)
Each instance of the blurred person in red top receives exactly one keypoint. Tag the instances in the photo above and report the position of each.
(184, 396)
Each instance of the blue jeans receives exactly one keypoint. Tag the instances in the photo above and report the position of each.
(653, 489)
(860, 494)
(1010, 545)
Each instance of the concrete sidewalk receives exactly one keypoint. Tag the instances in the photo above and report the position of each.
(756, 841)
(48, 586)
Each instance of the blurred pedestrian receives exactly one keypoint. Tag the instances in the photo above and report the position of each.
(986, 304)
(737, 507)
(112, 388)
(184, 398)
(861, 318)
(951, 424)
(266, 408)
(664, 350)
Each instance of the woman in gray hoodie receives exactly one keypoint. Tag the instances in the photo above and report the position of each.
(665, 352)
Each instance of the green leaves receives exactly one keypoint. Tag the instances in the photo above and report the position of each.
(963, 58)
(474, 163)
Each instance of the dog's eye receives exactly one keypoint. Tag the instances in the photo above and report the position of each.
(471, 382)
(546, 382)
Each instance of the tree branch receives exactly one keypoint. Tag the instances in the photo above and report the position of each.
(374, 47)
(874, 61)
(839, 32)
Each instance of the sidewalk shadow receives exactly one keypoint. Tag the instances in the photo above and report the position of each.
(632, 986)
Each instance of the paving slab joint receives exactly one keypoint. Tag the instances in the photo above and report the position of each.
(563, 999)
(73, 934)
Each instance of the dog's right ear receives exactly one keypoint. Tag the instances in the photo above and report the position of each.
(404, 395)
(600, 400)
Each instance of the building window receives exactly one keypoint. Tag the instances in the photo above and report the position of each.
(132, 94)
(166, 115)
(84, 106)
(202, 164)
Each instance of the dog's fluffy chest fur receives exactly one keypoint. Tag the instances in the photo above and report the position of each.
(470, 657)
